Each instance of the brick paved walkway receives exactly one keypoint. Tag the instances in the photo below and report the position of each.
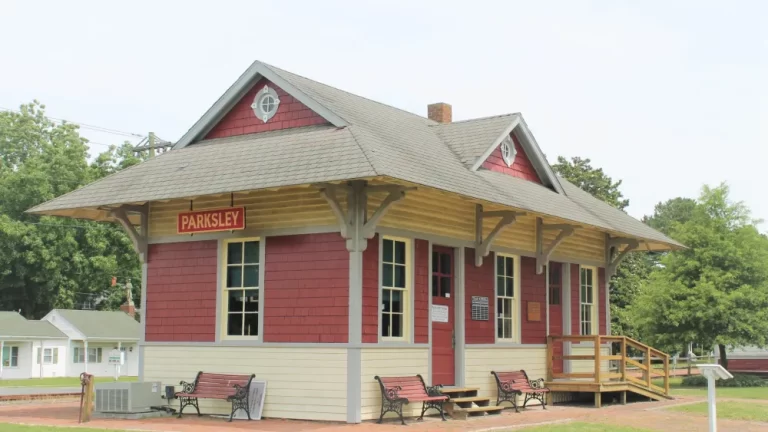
(649, 415)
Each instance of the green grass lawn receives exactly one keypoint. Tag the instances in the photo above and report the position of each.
(7, 427)
(581, 427)
(56, 382)
(729, 410)
(676, 389)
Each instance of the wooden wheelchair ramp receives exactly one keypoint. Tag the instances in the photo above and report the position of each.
(607, 364)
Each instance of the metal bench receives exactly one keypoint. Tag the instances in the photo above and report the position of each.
(512, 384)
(399, 391)
(231, 388)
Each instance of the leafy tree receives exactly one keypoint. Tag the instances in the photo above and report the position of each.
(669, 213)
(49, 262)
(636, 267)
(716, 290)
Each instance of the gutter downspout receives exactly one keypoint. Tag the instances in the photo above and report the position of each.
(85, 344)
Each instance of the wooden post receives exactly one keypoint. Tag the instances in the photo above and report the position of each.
(86, 397)
(597, 359)
(666, 375)
(648, 366)
(623, 361)
(550, 360)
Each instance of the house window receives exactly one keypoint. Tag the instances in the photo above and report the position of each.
(587, 302)
(241, 288)
(94, 355)
(507, 298)
(10, 356)
(50, 355)
(555, 284)
(394, 288)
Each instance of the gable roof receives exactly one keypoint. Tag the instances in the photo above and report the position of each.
(15, 326)
(107, 325)
(365, 139)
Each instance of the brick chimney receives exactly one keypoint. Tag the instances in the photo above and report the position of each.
(129, 309)
(440, 112)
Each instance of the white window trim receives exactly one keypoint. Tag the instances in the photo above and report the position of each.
(223, 311)
(41, 355)
(407, 292)
(517, 317)
(595, 301)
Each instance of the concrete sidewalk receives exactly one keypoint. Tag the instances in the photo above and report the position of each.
(14, 391)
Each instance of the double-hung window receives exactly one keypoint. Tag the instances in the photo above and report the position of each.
(242, 288)
(50, 355)
(507, 298)
(588, 301)
(395, 283)
(94, 355)
(11, 356)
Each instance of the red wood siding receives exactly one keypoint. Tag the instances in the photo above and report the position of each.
(181, 292)
(421, 292)
(756, 364)
(371, 292)
(521, 167)
(306, 289)
(241, 120)
(533, 288)
(601, 311)
(479, 281)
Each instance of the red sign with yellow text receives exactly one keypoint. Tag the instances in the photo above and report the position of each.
(226, 219)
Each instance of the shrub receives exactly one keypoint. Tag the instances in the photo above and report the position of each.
(738, 380)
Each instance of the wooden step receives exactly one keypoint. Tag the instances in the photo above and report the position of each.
(463, 413)
(471, 399)
(454, 392)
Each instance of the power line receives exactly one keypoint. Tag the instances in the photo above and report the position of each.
(86, 126)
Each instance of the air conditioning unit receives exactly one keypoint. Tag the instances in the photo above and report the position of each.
(128, 397)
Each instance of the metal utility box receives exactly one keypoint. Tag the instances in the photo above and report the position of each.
(128, 397)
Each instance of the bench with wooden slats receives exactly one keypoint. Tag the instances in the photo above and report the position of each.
(514, 383)
(228, 387)
(399, 391)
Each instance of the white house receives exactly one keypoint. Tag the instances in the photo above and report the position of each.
(67, 343)
(31, 349)
(92, 335)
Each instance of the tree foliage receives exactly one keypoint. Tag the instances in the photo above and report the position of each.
(593, 180)
(716, 290)
(49, 262)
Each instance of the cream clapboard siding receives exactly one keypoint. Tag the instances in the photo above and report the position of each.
(588, 366)
(479, 362)
(423, 210)
(293, 207)
(434, 212)
(311, 378)
(389, 362)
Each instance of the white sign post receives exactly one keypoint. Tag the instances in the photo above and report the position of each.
(117, 359)
(713, 372)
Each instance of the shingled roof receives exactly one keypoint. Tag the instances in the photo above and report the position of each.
(362, 139)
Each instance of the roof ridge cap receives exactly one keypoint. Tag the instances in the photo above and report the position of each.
(349, 93)
(477, 119)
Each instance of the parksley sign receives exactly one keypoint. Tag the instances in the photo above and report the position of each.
(226, 219)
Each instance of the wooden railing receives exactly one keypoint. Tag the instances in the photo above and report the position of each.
(619, 364)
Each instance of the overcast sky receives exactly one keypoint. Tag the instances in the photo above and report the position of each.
(666, 96)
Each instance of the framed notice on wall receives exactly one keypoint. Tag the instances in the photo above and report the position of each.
(480, 308)
(534, 311)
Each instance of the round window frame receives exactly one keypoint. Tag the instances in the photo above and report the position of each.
(510, 155)
(258, 109)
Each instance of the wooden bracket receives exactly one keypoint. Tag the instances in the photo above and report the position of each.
(347, 220)
(542, 253)
(138, 238)
(483, 246)
(614, 257)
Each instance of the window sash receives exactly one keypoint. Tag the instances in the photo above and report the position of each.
(243, 322)
(507, 298)
(395, 270)
(10, 356)
(587, 299)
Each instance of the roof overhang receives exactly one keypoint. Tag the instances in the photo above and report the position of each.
(248, 79)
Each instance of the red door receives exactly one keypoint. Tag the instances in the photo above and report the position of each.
(443, 354)
(556, 312)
